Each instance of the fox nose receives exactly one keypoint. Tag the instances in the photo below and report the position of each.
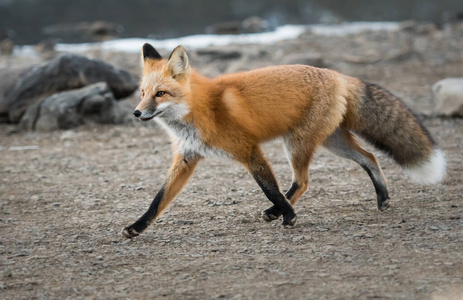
(137, 113)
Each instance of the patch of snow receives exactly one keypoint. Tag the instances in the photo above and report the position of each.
(133, 45)
(286, 32)
(352, 28)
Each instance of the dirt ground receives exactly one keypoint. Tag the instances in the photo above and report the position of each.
(66, 197)
(64, 202)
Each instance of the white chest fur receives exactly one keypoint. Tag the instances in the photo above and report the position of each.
(189, 140)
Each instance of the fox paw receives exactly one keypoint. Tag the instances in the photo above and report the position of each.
(289, 220)
(129, 232)
(384, 205)
(270, 214)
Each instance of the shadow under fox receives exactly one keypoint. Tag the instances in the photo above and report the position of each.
(308, 107)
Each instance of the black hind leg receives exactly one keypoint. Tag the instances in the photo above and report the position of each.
(343, 143)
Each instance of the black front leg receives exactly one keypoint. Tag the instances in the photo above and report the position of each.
(179, 173)
(148, 217)
(273, 213)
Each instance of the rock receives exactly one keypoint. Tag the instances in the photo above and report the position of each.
(448, 97)
(94, 103)
(304, 59)
(414, 27)
(249, 25)
(83, 31)
(46, 46)
(254, 25)
(65, 72)
(102, 30)
(6, 46)
(9, 78)
(233, 27)
(219, 53)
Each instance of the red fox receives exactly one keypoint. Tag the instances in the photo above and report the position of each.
(308, 107)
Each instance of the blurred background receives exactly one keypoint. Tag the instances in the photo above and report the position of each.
(31, 21)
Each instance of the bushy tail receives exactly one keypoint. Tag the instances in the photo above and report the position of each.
(386, 122)
(429, 171)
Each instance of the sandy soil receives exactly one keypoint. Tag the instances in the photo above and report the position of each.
(64, 204)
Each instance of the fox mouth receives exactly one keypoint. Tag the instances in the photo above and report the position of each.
(151, 117)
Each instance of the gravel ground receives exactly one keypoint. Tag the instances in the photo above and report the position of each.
(64, 202)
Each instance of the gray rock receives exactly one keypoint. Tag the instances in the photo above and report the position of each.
(94, 103)
(9, 77)
(46, 47)
(448, 97)
(6, 46)
(232, 27)
(414, 27)
(63, 73)
(84, 31)
(254, 24)
(217, 53)
(304, 59)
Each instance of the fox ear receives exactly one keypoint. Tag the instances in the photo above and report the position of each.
(178, 63)
(149, 52)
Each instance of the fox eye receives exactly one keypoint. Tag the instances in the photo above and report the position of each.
(160, 94)
(142, 93)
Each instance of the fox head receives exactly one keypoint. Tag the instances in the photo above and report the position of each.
(164, 85)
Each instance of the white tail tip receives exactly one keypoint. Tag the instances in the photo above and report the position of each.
(430, 171)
